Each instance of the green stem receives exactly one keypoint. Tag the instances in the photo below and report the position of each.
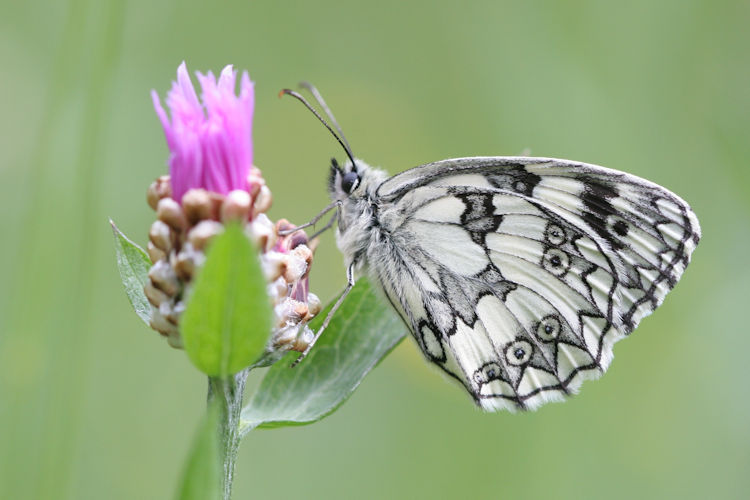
(227, 392)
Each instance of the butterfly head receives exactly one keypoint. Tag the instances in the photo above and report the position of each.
(353, 180)
(343, 181)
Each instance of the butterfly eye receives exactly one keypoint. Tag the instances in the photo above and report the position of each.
(350, 182)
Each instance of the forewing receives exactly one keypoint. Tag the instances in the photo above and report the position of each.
(517, 275)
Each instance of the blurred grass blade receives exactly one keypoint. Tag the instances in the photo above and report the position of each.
(362, 332)
(133, 263)
(201, 478)
(227, 321)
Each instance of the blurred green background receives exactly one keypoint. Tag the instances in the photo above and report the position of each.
(95, 405)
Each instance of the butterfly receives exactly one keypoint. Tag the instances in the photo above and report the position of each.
(515, 275)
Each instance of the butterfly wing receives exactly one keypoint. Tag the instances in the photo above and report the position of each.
(517, 275)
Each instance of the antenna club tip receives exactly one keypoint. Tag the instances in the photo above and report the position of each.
(283, 92)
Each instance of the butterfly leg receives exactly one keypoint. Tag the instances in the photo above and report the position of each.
(326, 227)
(336, 204)
(349, 286)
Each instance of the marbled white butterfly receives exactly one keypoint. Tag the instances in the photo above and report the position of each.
(515, 275)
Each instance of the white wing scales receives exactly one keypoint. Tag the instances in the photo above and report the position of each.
(517, 275)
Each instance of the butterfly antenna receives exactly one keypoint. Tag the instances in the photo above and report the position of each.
(322, 120)
(318, 97)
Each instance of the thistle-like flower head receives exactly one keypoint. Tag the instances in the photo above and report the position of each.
(209, 139)
(213, 181)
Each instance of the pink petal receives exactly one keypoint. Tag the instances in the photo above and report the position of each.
(209, 138)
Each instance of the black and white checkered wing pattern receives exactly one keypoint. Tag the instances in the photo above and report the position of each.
(517, 275)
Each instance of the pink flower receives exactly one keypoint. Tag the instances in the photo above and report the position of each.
(210, 142)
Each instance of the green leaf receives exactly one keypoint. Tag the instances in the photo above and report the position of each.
(201, 478)
(362, 332)
(133, 264)
(227, 321)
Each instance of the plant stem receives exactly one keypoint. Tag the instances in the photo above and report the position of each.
(227, 391)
